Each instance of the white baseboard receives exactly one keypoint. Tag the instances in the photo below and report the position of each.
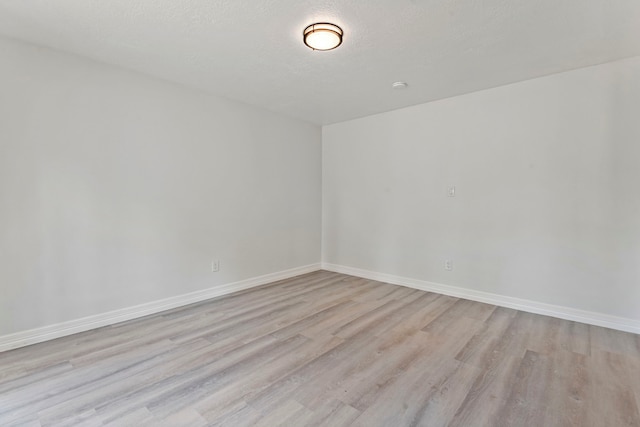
(45, 333)
(567, 313)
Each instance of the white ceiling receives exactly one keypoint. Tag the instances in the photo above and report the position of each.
(252, 50)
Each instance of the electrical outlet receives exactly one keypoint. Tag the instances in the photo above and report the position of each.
(215, 265)
(448, 265)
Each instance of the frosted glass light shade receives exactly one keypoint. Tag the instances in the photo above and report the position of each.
(322, 36)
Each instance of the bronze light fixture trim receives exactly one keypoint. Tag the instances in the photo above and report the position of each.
(322, 36)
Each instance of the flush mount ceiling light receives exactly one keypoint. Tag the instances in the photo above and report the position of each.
(399, 85)
(322, 36)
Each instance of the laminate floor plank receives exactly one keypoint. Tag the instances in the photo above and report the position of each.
(327, 349)
(614, 341)
(217, 401)
(333, 413)
(244, 415)
(615, 378)
(525, 403)
(139, 417)
(488, 394)
(494, 336)
(170, 363)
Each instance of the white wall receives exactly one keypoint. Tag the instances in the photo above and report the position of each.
(547, 174)
(118, 189)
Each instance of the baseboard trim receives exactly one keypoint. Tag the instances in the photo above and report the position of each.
(46, 333)
(567, 313)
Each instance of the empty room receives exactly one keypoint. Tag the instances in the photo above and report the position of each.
(320, 213)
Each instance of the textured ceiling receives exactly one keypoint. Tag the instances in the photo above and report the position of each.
(251, 50)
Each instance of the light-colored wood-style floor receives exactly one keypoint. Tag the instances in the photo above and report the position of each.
(333, 350)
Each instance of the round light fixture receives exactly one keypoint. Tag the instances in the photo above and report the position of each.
(399, 85)
(322, 36)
